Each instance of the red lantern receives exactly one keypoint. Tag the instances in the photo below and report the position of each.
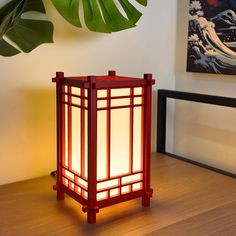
(103, 140)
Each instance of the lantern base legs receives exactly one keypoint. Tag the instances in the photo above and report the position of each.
(60, 193)
(91, 217)
(91, 213)
(146, 198)
(146, 201)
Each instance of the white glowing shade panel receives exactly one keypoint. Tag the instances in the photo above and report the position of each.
(83, 183)
(69, 174)
(101, 145)
(66, 163)
(101, 195)
(85, 168)
(102, 93)
(120, 142)
(131, 178)
(76, 91)
(125, 189)
(120, 92)
(78, 190)
(138, 101)
(137, 186)
(120, 102)
(137, 139)
(75, 135)
(76, 101)
(114, 192)
(76, 140)
(107, 184)
(85, 194)
(102, 103)
(138, 91)
(65, 181)
(66, 130)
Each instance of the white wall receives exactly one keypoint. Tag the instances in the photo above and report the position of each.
(204, 133)
(27, 96)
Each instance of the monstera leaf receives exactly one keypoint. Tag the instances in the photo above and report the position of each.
(100, 15)
(22, 33)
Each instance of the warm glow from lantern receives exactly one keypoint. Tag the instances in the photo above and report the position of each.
(119, 142)
(118, 165)
(103, 139)
(76, 143)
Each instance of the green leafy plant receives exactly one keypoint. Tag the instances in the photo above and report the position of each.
(19, 32)
(24, 34)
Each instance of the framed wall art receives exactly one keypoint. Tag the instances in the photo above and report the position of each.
(212, 36)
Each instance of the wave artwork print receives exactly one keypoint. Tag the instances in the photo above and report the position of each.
(212, 36)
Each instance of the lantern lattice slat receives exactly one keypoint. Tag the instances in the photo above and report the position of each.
(103, 139)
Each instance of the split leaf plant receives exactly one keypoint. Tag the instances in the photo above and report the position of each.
(19, 32)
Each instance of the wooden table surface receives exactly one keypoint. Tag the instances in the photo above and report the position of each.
(188, 200)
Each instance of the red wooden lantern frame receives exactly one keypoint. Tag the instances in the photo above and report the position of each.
(83, 184)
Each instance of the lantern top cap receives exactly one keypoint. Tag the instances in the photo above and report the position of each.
(105, 81)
